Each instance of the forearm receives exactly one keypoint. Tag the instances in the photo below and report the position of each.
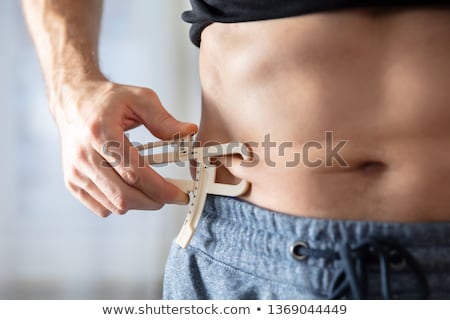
(65, 33)
(91, 112)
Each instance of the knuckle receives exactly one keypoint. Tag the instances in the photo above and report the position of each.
(79, 155)
(75, 180)
(130, 176)
(147, 93)
(71, 175)
(120, 201)
(121, 212)
(70, 186)
(80, 194)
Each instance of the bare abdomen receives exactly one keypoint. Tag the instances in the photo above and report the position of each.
(377, 79)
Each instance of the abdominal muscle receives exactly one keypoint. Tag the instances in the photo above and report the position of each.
(374, 84)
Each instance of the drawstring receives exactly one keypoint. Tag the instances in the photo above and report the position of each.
(351, 278)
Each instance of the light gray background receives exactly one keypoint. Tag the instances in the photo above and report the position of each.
(50, 245)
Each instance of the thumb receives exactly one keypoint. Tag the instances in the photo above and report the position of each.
(159, 121)
(165, 127)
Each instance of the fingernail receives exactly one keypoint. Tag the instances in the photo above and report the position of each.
(190, 127)
(183, 198)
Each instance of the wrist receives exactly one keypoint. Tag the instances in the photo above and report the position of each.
(70, 91)
(62, 78)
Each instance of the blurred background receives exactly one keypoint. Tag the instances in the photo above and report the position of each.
(51, 247)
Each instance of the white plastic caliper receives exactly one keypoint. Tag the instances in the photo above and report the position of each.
(205, 176)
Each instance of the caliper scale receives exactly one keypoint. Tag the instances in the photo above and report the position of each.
(205, 175)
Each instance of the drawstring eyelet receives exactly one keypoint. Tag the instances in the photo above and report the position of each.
(396, 261)
(296, 248)
(351, 277)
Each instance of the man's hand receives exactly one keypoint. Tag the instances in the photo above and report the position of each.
(92, 112)
(95, 115)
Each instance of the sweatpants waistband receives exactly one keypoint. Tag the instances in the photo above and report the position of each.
(259, 241)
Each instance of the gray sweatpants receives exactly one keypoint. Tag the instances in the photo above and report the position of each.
(241, 251)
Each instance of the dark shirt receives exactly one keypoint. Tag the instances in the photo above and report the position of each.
(205, 12)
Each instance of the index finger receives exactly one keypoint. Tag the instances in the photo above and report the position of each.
(126, 160)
